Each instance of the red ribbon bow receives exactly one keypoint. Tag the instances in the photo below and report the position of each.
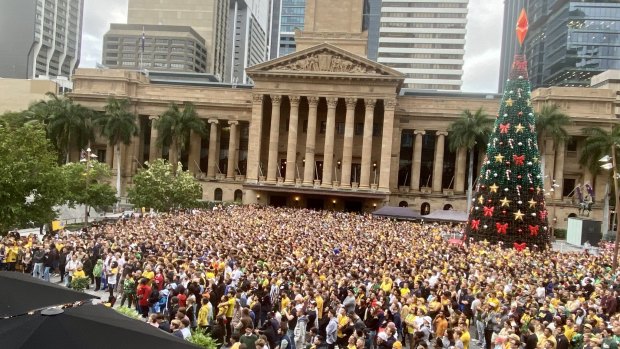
(501, 228)
(543, 214)
(518, 159)
(488, 211)
(520, 247)
(475, 223)
(503, 128)
(533, 230)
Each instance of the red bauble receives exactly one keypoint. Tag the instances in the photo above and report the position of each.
(531, 188)
(504, 211)
(519, 176)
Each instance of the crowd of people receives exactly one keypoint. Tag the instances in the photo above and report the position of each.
(276, 278)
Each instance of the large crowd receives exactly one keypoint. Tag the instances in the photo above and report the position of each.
(267, 278)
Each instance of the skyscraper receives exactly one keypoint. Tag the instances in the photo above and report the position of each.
(424, 40)
(247, 37)
(285, 17)
(40, 37)
(570, 41)
(207, 17)
(512, 8)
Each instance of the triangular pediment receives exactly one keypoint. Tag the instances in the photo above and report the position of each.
(324, 59)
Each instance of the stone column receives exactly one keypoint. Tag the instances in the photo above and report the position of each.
(255, 135)
(386, 146)
(309, 169)
(560, 151)
(347, 148)
(367, 143)
(328, 153)
(416, 162)
(212, 149)
(438, 169)
(274, 138)
(461, 163)
(291, 147)
(154, 150)
(109, 155)
(548, 154)
(233, 151)
(193, 161)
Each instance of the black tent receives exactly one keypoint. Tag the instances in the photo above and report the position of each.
(84, 326)
(22, 293)
(446, 216)
(403, 213)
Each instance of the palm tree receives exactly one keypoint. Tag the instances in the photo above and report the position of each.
(470, 131)
(598, 144)
(67, 124)
(173, 129)
(118, 125)
(550, 123)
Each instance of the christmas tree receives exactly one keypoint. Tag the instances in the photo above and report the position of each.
(508, 204)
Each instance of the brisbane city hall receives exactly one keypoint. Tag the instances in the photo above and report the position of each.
(327, 128)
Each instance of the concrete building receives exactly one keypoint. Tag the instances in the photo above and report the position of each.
(425, 40)
(40, 37)
(165, 48)
(570, 41)
(17, 94)
(248, 37)
(326, 128)
(207, 17)
(510, 44)
(285, 16)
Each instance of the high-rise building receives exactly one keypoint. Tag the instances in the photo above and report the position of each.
(285, 17)
(163, 48)
(510, 44)
(207, 17)
(425, 40)
(247, 37)
(40, 37)
(570, 41)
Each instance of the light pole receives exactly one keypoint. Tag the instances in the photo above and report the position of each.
(612, 166)
(86, 158)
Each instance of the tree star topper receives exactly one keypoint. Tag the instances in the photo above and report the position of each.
(522, 26)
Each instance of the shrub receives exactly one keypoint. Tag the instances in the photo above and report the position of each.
(560, 234)
(79, 284)
(202, 339)
(129, 312)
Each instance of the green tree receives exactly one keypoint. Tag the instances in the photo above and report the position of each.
(12, 119)
(68, 124)
(158, 187)
(31, 181)
(88, 185)
(551, 123)
(470, 131)
(600, 143)
(118, 125)
(509, 202)
(174, 127)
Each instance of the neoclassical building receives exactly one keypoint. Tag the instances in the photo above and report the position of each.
(327, 128)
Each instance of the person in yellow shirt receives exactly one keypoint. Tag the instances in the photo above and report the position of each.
(148, 272)
(465, 337)
(11, 255)
(205, 315)
(386, 285)
(319, 305)
(569, 329)
(404, 291)
(284, 302)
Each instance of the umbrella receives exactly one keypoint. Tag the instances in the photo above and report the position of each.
(22, 293)
(85, 326)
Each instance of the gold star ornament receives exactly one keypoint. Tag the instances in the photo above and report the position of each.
(499, 158)
(509, 102)
(481, 200)
(532, 203)
(494, 188)
(519, 215)
(505, 202)
(519, 128)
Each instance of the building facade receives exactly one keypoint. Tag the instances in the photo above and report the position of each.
(571, 41)
(207, 17)
(285, 17)
(248, 38)
(163, 48)
(510, 44)
(425, 41)
(40, 37)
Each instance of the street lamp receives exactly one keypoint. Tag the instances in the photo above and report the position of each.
(86, 157)
(612, 166)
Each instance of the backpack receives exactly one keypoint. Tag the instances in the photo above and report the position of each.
(154, 296)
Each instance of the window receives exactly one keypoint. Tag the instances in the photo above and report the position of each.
(568, 185)
(238, 195)
(376, 129)
(359, 128)
(217, 194)
(323, 127)
(340, 128)
(425, 209)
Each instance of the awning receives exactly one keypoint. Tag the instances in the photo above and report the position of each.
(446, 216)
(404, 213)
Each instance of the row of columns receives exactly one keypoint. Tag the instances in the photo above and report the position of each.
(195, 146)
(328, 150)
(416, 163)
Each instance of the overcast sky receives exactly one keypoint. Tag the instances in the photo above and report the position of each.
(482, 51)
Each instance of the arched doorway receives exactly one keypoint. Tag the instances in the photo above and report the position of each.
(425, 209)
(238, 195)
(217, 194)
(403, 204)
(447, 207)
(571, 215)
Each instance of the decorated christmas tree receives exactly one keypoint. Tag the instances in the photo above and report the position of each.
(508, 204)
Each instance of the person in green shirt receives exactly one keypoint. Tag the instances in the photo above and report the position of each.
(129, 290)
